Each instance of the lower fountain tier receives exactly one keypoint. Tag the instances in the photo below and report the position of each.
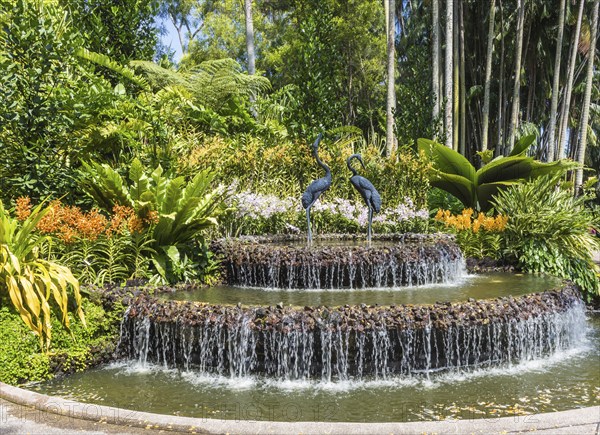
(351, 342)
(339, 261)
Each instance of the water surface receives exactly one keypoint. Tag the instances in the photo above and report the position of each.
(470, 286)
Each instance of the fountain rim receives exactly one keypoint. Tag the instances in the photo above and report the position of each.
(589, 416)
(469, 313)
(282, 238)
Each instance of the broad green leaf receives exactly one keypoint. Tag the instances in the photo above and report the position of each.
(446, 160)
(507, 168)
(456, 185)
(539, 169)
(522, 145)
(173, 194)
(485, 192)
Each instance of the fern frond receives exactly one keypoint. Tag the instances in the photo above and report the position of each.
(107, 62)
(158, 76)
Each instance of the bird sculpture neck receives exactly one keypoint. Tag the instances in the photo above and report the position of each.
(321, 164)
(349, 164)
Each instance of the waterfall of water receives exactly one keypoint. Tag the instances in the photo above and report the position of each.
(233, 345)
(333, 268)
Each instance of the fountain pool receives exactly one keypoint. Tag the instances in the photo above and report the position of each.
(391, 331)
(565, 380)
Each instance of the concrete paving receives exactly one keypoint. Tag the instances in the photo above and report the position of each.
(23, 411)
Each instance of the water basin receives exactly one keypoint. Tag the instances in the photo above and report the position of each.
(565, 380)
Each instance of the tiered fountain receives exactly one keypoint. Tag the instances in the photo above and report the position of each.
(359, 342)
(348, 329)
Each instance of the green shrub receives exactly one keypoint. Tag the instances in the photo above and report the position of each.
(478, 237)
(20, 357)
(33, 283)
(452, 172)
(286, 168)
(180, 211)
(550, 231)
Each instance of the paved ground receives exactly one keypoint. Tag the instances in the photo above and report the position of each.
(25, 412)
(20, 419)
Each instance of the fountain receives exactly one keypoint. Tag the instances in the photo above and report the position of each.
(478, 344)
(388, 328)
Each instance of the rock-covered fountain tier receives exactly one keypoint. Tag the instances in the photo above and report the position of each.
(338, 261)
(351, 342)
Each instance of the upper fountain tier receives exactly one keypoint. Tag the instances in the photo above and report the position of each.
(340, 261)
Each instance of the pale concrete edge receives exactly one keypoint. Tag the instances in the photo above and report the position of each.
(125, 417)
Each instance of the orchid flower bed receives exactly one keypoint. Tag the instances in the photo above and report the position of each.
(256, 213)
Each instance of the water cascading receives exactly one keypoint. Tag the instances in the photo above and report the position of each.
(390, 261)
(351, 342)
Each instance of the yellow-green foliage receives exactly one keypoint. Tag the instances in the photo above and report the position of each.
(20, 357)
(29, 281)
(288, 167)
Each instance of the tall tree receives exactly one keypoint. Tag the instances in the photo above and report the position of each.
(514, 116)
(562, 136)
(488, 75)
(121, 29)
(187, 16)
(462, 143)
(501, 94)
(249, 37)
(455, 78)
(391, 76)
(448, 71)
(586, 100)
(435, 83)
(555, 83)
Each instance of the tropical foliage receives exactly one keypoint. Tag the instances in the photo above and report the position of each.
(31, 282)
(97, 249)
(475, 188)
(177, 210)
(550, 231)
(478, 237)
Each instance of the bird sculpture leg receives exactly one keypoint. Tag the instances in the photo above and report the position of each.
(308, 222)
(370, 224)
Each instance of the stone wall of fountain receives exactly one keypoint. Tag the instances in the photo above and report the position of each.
(350, 342)
(338, 261)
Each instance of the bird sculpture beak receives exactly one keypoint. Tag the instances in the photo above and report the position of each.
(359, 158)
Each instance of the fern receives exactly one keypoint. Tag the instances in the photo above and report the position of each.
(107, 62)
(210, 83)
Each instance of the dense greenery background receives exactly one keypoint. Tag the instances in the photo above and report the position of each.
(136, 160)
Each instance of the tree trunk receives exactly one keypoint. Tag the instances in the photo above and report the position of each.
(500, 145)
(462, 143)
(514, 116)
(448, 87)
(455, 78)
(569, 86)
(391, 73)
(488, 75)
(250, 37)
(555, 84)
(586, 101)
(435, 83)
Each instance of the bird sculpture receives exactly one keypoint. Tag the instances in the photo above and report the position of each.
(366, 190)
(317, 187)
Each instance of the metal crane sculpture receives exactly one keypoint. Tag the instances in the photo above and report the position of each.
(366, 190)
(317, 187)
